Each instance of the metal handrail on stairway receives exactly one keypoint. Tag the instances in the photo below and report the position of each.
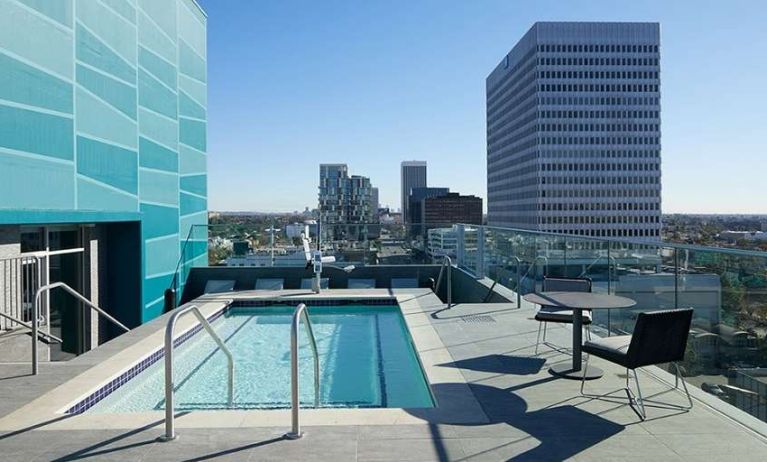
(36, 315)
(446, 262)
(298, 315)
(29, 326)
(170, 431)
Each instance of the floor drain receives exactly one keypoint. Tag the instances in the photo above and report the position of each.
(479, 318)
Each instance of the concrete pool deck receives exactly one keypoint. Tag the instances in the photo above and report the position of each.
(496, 401)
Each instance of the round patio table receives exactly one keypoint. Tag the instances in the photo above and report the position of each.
(577, 302)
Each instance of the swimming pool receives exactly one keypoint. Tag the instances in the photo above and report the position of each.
(367, 360)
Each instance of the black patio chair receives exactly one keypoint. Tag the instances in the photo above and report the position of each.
(659, 337)
(547, 314)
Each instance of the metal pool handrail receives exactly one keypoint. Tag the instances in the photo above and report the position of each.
(36, 315)
(447, 261)
(299, 314)
(170, 432)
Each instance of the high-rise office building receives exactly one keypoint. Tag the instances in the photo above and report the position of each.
(451, 208)
(573, 131)
(103, 152)
(415, 206)
(413, 175)
(345, 203)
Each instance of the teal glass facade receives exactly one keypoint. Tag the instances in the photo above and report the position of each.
(103, 107)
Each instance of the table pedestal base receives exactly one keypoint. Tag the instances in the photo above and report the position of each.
(566, 371)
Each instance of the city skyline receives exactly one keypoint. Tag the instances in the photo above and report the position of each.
(373, 84)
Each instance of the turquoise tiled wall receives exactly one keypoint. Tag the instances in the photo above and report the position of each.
(103, 109)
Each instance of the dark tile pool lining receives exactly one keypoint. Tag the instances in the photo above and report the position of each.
(104, 391)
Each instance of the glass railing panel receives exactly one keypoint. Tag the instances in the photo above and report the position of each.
(727, 352)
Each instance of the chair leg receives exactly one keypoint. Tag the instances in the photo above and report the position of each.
(636, 399)
(584, 367)
(538, 338)
(545, 325)
(678, 377)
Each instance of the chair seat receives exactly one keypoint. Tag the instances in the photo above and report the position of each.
(562, 316)
(610, 348)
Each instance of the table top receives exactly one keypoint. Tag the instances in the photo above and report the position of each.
(580, 300)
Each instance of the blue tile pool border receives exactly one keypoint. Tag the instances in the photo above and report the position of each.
(105, 390)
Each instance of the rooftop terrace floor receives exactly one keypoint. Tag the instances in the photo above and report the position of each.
(530, 414)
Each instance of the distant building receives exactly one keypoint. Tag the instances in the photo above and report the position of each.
(294, 230)
(374, 204)
(413, 175)
(415, 205)
(451, 208)
(459, 243)
(734, 236)
(344, 203)
(573, 131)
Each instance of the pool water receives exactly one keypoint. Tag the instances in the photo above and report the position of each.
(366, 358)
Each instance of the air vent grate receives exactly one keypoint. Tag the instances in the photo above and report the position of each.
(478, 318)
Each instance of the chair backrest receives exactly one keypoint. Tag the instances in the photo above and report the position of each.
(566, 284)
(659, 337)
(216, 286)
(270, 284)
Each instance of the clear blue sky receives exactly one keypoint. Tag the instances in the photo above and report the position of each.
(371, 83)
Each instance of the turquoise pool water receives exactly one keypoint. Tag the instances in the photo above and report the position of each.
(366, 357)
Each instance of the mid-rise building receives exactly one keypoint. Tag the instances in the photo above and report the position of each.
(573, 131)
(415, 205)
(451, 208)
(345, 203)
(374, 201)
(102, 155)
(413, 175)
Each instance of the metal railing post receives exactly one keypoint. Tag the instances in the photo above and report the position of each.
(170, 428)
(298, 314)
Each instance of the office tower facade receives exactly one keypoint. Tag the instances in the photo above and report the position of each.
(412, 175)
(345, 203)
(573, 131)
(103, 109)
(451, 208)
(415, 206)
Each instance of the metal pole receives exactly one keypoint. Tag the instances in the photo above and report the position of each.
(449, 282)
(170, 430)
(35, 311)
(295, 431)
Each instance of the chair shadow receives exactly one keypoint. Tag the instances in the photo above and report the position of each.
(563, 431)
(500, 364)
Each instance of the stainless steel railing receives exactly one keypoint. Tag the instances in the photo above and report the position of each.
(446, 262)
(19, 278)
(36, 315)
(298, 315)
(170, 430)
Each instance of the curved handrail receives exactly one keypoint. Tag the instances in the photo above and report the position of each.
(298, 314)
(36, 315)
(610, 273)
(447, 261)
(170, 431)
(518, 264)
(531, 267)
